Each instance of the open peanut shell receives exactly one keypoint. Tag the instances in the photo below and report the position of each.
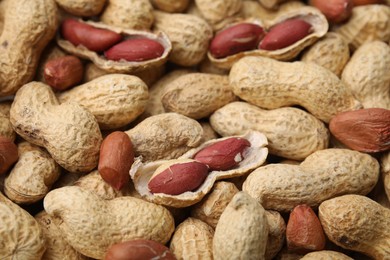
(121, 66)
(309, 14)
(254, 157)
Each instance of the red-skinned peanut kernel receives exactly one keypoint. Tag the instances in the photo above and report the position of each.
(223, 155)
(336, 11)
(115, 160)
(139, 249)
(139, 49)
(285, 34)
(178, 176)
(235, 39)
(304, 231)
(8, 154)
(94, 39)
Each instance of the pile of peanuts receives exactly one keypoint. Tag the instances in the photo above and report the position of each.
(194, 129)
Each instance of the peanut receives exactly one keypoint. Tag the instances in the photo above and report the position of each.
(6, 129)
(276, 233)
(91, 225)
(51, 52)
(171, 6)
(22, 40)
(8, 154)
(135, 50)
(385, 169)
(285, 34)
(235, 39)
(326, 255)
(138, 249)
(197, 95)
(37, 116)
(263, 82)
(366, 74)
(322, 175)
(32, 176)
(192, 239)
(94, 39)
(63, 72)
(301, 134)
(304, 232)
(178, 176)
(364, 130)
(115, 159)
(242, 230)
(336, 11)
(82, 7)
(357, 223)
(21, 236)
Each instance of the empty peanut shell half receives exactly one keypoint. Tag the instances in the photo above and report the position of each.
(250, 158)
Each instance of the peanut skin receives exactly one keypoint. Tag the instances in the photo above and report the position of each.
(8, 154)
(135, 50)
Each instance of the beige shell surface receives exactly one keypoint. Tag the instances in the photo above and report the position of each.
(32, 176)
(242, 230)
(270, 4)
(385, 169)
(309, 14)
(330, 52)
(6, 129)
(276, 233)
(90, 224)
(208, 131)
(216, 12)
(121, 66)
(171, 6)
(210, 208)
(322, 175)
(93, 182)
(115, 99)
(192, 239)
(69, 132)
(367, 74)
(367, 23)
(253, 9)
(155, 106)
(141, 172)
(165, 136)
(91, 72)
(326, 255)
(28, 28)
(291, 132)
(129, 14)
(197, 95)
(82, 7)
(56, 246)
(189, 34)
(271, 84)
(21, 236)
(357, 223)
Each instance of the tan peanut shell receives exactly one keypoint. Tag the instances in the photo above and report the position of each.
(242, 230)
(6, 129)
(272, 4)
(2, 11)
(189, 34)
(292, 132)
(218, 12)
(330, 52)
(32, 176)
(271, 84)
(367, 74)
(210, 208)
(155, 106)
(192, 239)
(141, 173)
(253, 9)
(208, 131)
(115, 99)
(322, 175)
(207, 67)
(276, 233)
(56, 246)
(92, 72)
(29, 27)
(326, 255)
(91, 225)
(69, 132)
(93, 182)
(171, 6)
(385, 169)
(21, 236)
(357, 223)
(367, 23)
(309, 14)
(197, 95)
(165, 136)
(129, 14)
(121, 66)
(82, 7)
